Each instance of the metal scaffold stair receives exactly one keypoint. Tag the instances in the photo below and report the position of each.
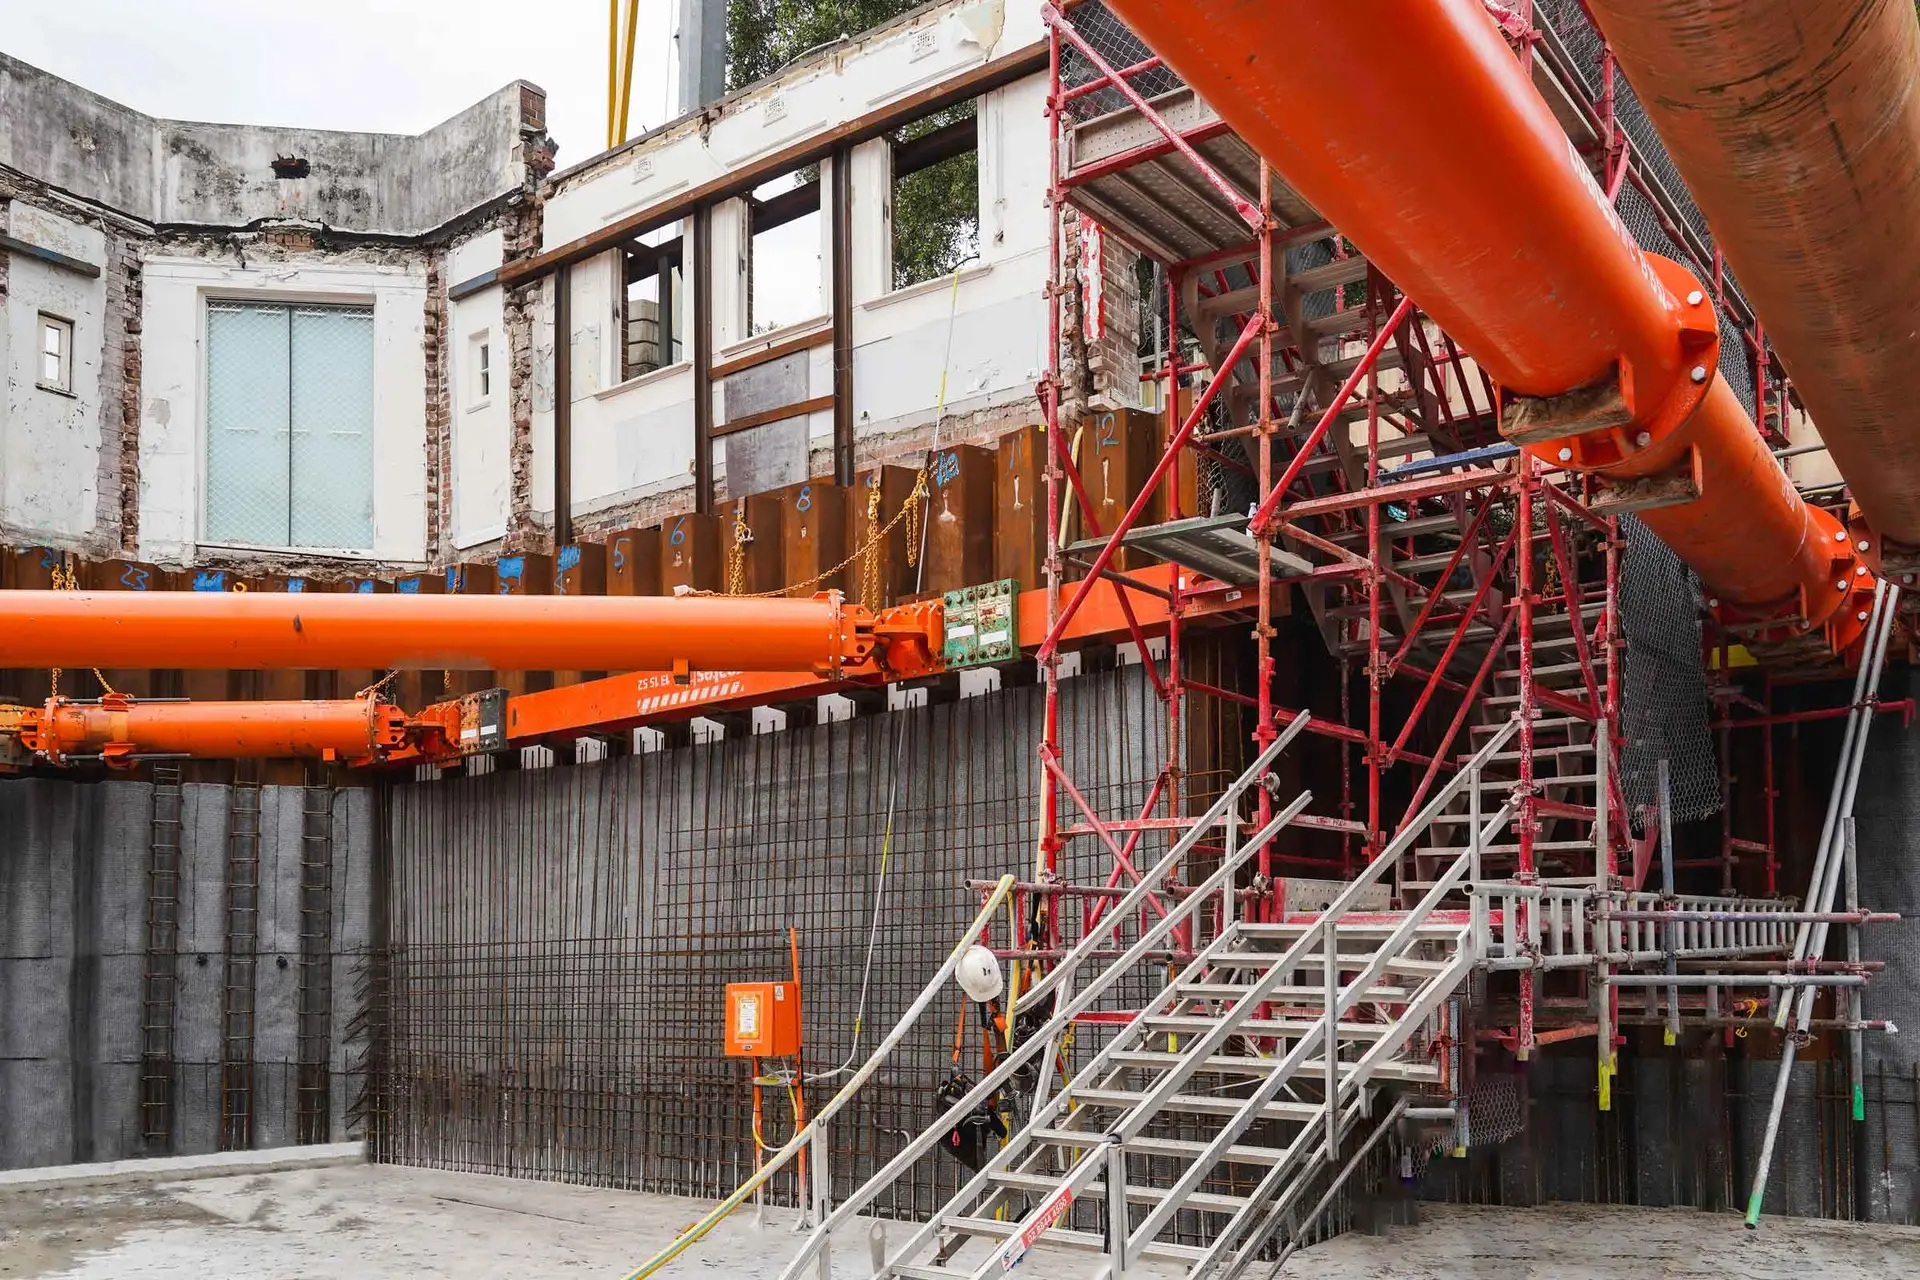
(1235, 1050)
(1200, 1130)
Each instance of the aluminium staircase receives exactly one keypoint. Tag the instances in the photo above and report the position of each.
(1233, 1093)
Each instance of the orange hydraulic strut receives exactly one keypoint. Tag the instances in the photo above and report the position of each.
(198, 630)
(1796, 124)
(1433, 153)
(123, 731)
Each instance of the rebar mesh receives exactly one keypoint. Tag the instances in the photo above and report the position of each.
(1663, 706)
(561, 938)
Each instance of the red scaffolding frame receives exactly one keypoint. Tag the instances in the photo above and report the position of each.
(1535, 557)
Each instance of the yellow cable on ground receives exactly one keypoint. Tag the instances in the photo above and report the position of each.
(798, 1141)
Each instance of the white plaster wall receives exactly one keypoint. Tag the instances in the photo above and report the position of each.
(869, 74)
(49, 442)
(173, 387)
(635, 440)
(482, 428)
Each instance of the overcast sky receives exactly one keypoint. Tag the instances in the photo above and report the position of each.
(396, 67)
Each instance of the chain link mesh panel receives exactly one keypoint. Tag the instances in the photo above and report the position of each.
(249, 409)
(331, 499)
(1119, 48)
(1663, 705)
(290, 426)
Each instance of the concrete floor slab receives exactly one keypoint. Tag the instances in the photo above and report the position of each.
(382, 1222)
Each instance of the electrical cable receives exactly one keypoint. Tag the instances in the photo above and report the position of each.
(900, 733)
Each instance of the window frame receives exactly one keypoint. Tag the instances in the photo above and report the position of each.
(480, 369)
(292, 300)
(639, 261)
(908, 156)
(45, 322)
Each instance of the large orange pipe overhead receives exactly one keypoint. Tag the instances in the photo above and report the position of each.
(1413, 128)
(198, 630)
(1796, 124)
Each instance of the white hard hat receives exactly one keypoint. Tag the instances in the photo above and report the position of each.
(979, 974)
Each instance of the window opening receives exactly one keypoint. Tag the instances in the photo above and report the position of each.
(936, 194)
(784, 261)
(653, 306)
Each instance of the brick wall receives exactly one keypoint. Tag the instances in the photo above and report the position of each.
(439, 437)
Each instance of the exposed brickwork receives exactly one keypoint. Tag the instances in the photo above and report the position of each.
(120, 414)
(5, 257)
(522, 240)
(1113, 358)
(439, 438)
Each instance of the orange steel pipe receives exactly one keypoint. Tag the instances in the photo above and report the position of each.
(199, 630)
(1434, 154)
(122, 729)
(1796, 124)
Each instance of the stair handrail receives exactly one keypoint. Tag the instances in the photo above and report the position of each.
(1222, 878)
(1325, 1029)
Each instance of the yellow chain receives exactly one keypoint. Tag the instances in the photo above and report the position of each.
(65, 579)
(912, 510)
(870, 585)
(870, 575)
(737, 553)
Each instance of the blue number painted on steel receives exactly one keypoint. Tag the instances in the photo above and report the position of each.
(509, 570)
(946, 469)
(296, 584)
(679, 534)
(408, 586)
(210, 580)
(1108, 431)
(364, 587)
(569, 557)
(619, 553)
(49, 558)
(135, 578)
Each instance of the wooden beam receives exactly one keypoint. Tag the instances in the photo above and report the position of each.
(765, 416)
(1024, 62)
(767, 355)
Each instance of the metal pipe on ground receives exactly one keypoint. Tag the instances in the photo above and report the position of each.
(1486, 216)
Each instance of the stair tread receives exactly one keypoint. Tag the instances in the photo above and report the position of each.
(1178, 1147)
(1076, 1239)
(1399, 964)
(1550, 846)
(1546, 722)
(1044, 1182)
(1228, 1064)
(1233, 991)
(1290, 930)
(1199, 1104)
(1267, 1026)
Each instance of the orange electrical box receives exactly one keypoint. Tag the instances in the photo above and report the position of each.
(763, 1019)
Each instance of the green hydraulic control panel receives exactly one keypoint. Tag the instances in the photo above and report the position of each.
(981, 627)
